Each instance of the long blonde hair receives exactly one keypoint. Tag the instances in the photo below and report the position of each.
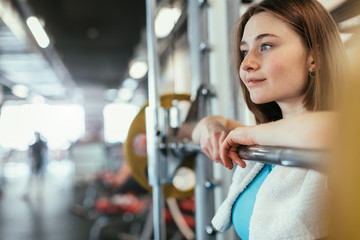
(320, 35)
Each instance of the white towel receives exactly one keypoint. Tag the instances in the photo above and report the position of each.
(241, 179)
(289, 204)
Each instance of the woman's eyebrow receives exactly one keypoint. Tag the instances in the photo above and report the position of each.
(260, 36)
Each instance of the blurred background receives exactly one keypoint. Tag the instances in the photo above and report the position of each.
(75, 71)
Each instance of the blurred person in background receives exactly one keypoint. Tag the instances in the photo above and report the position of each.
(37, 155)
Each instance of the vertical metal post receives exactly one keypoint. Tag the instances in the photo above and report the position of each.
(152, 123)
(233, 9)
(221, 17)
(204, 188)
(197, 32)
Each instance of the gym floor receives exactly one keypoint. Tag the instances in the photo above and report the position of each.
(54, 207)
(40, 210)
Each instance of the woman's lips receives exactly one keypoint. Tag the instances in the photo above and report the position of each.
(253, 82)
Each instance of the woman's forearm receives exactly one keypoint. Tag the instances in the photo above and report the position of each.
(316, 130)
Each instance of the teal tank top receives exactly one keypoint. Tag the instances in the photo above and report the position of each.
(244, 205)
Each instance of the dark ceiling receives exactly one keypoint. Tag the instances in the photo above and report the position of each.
(95, 39)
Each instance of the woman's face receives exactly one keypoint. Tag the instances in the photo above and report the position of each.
(276, 63)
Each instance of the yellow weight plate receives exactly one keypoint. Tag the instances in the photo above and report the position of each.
(135, 154)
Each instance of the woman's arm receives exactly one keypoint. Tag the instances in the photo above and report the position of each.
(210, 132)
(316, 130)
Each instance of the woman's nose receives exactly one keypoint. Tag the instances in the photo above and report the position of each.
(250, 62)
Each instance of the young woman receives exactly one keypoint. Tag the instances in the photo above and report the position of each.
(290, 62)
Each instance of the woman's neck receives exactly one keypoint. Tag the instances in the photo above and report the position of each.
(290, 109)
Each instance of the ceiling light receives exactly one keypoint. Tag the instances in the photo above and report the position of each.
(138, 69)
(130, 83)
(38, 32)
(20, 91)
(110, 94)
(125, 94)
(165, 21)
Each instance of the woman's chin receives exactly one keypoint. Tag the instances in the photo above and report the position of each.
(258, 100)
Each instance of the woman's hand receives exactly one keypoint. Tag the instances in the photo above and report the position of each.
(210, 143)
(210, 132)
(210, 139)
(229, 147)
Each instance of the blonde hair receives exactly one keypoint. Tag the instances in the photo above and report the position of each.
(320, 35)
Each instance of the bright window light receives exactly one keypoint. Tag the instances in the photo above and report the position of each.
(165, 21)
(64, 124)
(117, 120)
(138, 69)
(16, 169)
(38, 32)
(59, 124)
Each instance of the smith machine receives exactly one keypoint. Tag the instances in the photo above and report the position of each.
(169, 145)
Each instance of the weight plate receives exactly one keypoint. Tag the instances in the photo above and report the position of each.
(135, 149)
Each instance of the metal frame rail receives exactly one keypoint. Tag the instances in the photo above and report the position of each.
(155, 159)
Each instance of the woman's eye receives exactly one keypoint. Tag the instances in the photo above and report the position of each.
(244, 52)
(265, 47)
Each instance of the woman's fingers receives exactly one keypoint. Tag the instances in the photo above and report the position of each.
(224, 152)
(229, 152)
(220, 145)
(216, 143)
(206, 152)
(233, 154)
(211, 146)
(215, 148)
(223, 136)
(211, 150)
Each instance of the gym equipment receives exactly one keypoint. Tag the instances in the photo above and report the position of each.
(177, 150)
(138, 161)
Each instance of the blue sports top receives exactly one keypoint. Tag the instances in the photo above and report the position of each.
(244, 205)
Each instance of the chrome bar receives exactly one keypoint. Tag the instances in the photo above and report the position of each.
(291, 157)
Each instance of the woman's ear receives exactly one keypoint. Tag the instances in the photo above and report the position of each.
(311, 62)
